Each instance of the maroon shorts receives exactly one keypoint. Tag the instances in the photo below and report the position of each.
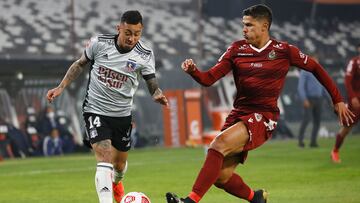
(260, 127)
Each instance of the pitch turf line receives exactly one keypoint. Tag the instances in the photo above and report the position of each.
(67, 170)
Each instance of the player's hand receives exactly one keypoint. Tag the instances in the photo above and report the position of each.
(188, 66)
(344, 114)
(306, 103)
(355, 103)
(53, 93)
(160, 98)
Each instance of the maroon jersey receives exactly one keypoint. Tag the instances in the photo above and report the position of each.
(352, 78)
(259, 74)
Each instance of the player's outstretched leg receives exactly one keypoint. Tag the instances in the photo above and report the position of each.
(260, 196)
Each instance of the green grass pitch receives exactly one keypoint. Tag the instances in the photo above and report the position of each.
(289, 173)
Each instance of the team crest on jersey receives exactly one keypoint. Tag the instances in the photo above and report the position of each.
(131, 65)
(272, 55)
(93, 133)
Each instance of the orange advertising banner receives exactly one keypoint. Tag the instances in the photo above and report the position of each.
(174, 119)
(182, 119)
(193, 116)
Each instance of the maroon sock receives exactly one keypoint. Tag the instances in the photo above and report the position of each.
(237, 187)
(209, 173)
(339, 141)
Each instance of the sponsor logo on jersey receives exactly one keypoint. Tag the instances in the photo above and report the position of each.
(131, 65)
(272, 55)
(245, 54)
(256, 65)
(111, 78)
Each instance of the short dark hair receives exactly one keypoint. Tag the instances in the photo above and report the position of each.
(131, 17)
(259, 11)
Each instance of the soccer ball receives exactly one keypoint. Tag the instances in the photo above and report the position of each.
(135, 197)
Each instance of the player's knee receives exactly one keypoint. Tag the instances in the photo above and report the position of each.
(219, 144)
(103, 151)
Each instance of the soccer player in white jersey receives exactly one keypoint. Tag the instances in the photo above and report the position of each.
(118, 61)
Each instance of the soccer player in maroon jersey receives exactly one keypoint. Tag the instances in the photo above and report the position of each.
(352, 85)
(259, 65)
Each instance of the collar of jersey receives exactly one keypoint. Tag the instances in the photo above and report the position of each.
(264, 47)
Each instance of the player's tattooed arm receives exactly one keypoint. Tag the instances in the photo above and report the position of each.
(152, 85)
(74, 71)
(155, 91)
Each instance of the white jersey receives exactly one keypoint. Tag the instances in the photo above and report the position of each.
(114, 76)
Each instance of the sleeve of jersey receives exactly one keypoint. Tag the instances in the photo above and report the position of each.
(90, 48)
(207, 78)
(349, 76)
(298, 59)
(149, 67)
(223, 67)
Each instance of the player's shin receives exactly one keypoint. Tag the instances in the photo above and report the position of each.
(103, 182)
(208, 175)
(119, 175)
(237, 187)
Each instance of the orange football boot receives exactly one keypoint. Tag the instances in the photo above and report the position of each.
(119, 191)
(335, 156)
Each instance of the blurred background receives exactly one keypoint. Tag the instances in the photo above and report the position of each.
(39, 39)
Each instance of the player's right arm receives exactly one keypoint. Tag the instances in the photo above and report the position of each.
(72, 73)
(207, 78)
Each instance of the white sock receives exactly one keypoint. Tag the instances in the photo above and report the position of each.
(103, 182)
(119, 175)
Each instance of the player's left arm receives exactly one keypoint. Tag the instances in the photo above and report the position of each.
(297, 58)
(154, 90)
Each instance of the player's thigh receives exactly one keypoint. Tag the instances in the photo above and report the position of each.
(99, 133)
(232, 140)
